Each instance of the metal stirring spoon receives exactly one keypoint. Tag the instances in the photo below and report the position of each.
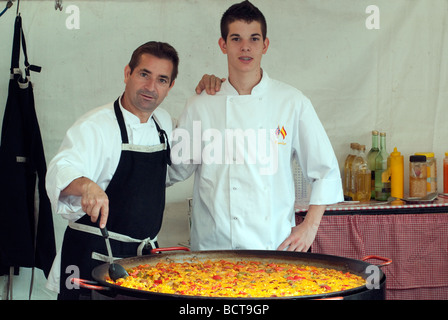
(116, 271)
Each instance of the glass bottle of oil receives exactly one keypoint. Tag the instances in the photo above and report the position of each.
(371, 155)
(382, 175)
(445, 173)
(351, 186)
(363, 180)
(348, 169)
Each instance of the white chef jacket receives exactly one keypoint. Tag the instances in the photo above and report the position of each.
(249, 203)
(92, 149)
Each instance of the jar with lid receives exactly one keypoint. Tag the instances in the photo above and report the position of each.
(417, 176)
(431, 171)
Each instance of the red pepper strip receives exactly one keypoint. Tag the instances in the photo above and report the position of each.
(135, 273)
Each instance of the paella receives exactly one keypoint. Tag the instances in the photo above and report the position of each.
(236, 279)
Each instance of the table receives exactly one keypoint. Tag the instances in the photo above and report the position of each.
(414, 236)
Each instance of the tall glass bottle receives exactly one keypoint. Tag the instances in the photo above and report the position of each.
(362, 176)
(348, 169)
(382, 175)
(371, 155)
(445, 173)
(351, 186)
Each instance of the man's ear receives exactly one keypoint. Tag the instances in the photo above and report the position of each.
(127, 73)
(266, 45)
(172, 85)
(223, 45)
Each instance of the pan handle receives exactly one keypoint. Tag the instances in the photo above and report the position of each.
(87, 284)
(169, 249)
(387, 261)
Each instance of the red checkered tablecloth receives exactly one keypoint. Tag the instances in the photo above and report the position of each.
(416, 243)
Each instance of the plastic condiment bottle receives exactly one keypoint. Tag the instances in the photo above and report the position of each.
(396, 174)
(445, 173)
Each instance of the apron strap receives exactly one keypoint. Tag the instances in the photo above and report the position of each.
(164, 138)
(115, 236)
(124, 135)
(120, 120)
(16, 44)
(19, 36)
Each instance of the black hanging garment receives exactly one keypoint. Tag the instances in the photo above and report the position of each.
(26, 229)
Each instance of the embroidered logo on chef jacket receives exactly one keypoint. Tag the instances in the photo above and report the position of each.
(281, 132)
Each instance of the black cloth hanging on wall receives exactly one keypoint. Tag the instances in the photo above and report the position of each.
(26, 229)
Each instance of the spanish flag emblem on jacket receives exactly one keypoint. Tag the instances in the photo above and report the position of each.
(281, 131)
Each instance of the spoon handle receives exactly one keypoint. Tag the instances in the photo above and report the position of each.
(104, 232)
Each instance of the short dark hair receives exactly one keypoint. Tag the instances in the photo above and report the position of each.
(160, 50)
(246, 12)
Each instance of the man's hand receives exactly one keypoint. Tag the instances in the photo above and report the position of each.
(210, 83)
(94, 200)
(302, 236)
(300, 239)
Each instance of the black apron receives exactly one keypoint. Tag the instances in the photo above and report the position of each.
(22, 165)
(136, 203)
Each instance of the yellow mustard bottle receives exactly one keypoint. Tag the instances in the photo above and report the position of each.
(396, 174)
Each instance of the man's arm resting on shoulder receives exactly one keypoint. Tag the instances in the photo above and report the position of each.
(210, 83)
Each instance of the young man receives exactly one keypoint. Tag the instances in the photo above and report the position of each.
(244, 191)
(111, 168)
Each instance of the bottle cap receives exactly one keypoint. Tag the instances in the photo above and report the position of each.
(427, 154)
(417, 158)
(395, 153)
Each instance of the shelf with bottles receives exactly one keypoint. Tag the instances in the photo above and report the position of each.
(367, 176)
(387, 172)
(438, 205)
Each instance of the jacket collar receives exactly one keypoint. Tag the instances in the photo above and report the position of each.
(229, 90)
